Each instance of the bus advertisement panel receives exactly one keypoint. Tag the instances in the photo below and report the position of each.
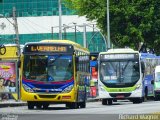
(8, 76)
(9, 69)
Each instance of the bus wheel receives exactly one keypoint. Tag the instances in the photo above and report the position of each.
(137, 100)
(109, 102)
(156, 98)
(145, 94)
(39, 105)
(45, 105)
(68, 105)
(82, 104)
(72, 105)
(30, 105)
(104, 101)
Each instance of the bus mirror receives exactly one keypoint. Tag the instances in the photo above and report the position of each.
(142, 67)
(136, 66)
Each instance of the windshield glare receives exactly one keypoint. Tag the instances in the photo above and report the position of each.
(119, 72)
(48, 68)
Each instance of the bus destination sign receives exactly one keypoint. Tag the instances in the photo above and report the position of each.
(48, 48)
(45, 48)
(119, 56)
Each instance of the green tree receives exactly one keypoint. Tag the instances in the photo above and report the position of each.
(131, 21)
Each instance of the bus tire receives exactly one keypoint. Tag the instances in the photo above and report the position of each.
(72, 105)
(110, 102)
(83, 104)
(156, 98)
(137, 100)
(30, 105)
(104, 101)
(45, 105)
(146, 94)
(39, 105)
(68, 105)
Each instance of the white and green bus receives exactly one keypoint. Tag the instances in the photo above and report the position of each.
(120, 76)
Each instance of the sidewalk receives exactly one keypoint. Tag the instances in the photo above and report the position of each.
(13, 103)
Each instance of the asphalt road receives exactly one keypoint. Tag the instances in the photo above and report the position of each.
(93, 111)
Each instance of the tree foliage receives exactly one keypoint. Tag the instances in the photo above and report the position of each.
(131, 21)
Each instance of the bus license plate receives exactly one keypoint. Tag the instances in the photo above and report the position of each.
(120, 96)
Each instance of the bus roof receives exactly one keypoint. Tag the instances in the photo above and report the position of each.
(148, 55)
(61, 41)
(119, 50)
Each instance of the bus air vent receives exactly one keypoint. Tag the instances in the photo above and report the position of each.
(47, 96)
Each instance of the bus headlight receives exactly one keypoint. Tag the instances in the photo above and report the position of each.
(27, 88)
(67, 89)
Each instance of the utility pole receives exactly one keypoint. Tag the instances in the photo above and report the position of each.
(64, 28)
(16, 32)
(108, 26)
(75, 32)
(84, 36)
(52, 32)
(15, 24)
(60, 19)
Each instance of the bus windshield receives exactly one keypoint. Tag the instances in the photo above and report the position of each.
(119, 72)
(48, 68)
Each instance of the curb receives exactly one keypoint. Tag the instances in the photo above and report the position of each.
(93, 99)
(12, 104)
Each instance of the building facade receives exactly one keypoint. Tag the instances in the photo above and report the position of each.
(39, 19)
